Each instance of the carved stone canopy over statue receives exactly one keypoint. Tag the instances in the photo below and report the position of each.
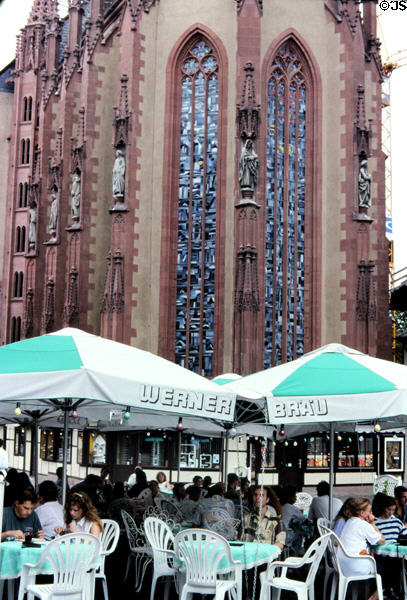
(76, 196)
(249, 166)
(364, 185)
(119, 172)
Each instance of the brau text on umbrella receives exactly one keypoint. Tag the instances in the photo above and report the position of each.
(317, 407)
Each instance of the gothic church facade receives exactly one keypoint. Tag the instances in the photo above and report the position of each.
(203, 179)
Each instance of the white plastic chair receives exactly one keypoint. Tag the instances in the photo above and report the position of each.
(108, 542)
(303, 501)
(73, 559)
(329, 569)
(303, 589)
(161, 540)
(341, 580)
(140, 550)
(201, 551)
(386, 484)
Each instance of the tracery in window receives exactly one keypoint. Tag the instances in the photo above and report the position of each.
(285, 208)
(197, 181)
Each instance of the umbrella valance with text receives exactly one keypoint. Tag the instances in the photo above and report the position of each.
(331, 384)
(74, 364)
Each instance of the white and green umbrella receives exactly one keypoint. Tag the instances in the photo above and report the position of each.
(73, 370)
(333, 384)
(73, 364)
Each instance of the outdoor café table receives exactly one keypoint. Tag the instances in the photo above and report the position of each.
(394, 551)
(13, 555)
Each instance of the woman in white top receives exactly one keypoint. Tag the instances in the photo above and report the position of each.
(81, 515)
(164, 485)
(358, 531)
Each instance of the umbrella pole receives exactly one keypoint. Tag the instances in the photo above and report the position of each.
(179, 456)
(226, 456)
(35, 451)
(2, 485)
(65, 452)
(331, 469)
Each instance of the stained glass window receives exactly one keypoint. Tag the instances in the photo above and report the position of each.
(197, 180)
(285, 208)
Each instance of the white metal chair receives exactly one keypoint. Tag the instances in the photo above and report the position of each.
(386, 484)
(341, 580)
(303, 589)
(140, 550)
(108, 541)
(73, 559)
(303, 501)
(161, 540)
(329, 569)
(201, 552)
(171, 510)
(221, 522)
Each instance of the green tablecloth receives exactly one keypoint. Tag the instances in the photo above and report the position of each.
(393, 550)
(250, 554)
(13, 555)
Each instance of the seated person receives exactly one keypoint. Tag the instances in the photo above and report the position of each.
(152, 495)
(21, 517)
(320, 505)
(119, 502)
(178, 494)
(400, 493)
(343, 515)
(216, 513)
(164, 485)
(267, 527)
(49, 511)
(58, 483)
(233, 492)
(383, 507)
(207, 482)
(288, 512)
(80, 515)
(190, 503)
(358, 532)
(197, 482)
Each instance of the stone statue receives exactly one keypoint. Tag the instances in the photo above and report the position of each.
(75, 197)
(364, 185)
(32, 227)
(53, 217)
(119, 171)
(249, 166)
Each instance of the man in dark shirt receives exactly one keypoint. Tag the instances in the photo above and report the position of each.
(400, 494)
(20, 518)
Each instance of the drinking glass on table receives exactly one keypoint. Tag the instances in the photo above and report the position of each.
(28, 534)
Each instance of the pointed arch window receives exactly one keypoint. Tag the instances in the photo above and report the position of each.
(287, 95)
(197, 186)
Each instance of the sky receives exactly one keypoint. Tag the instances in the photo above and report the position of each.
(392, 30)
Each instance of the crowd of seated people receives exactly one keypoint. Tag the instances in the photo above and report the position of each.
(238, 510)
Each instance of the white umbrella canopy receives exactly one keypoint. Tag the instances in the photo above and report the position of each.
(71, 363)
(333, 384)
(330, 386)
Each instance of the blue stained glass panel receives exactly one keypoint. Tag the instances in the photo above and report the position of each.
(195, 314)
(285, 210)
